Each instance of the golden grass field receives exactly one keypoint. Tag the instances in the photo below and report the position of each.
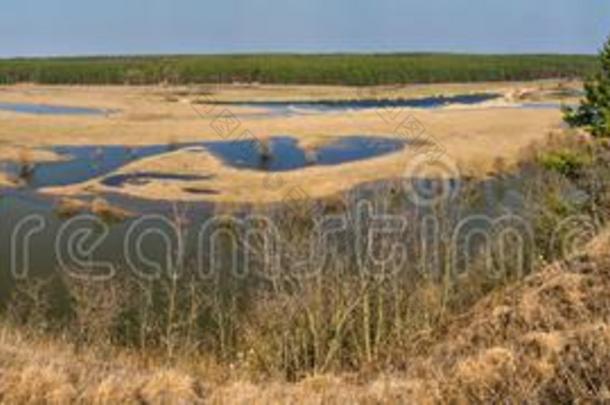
(474, 138)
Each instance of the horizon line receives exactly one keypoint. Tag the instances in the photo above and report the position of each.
(289, 53)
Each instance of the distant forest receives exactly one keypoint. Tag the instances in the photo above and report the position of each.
(295, 69)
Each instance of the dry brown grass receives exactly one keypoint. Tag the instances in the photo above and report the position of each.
(105, 210)
(6, 181)
(36, 370)
(544, 339)
(68, 207)
(474, 137)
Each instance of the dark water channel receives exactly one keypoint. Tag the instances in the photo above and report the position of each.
(83, 163)
(47, 109)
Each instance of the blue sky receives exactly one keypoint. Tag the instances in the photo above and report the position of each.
(79, 27)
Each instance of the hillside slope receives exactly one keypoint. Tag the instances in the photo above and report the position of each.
(546, 338)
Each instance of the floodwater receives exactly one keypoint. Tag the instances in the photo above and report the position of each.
(275, 107)
(38, 241)
(47, 109)
(83, 163)
(303, 107)
(284, 153)
(44, 250)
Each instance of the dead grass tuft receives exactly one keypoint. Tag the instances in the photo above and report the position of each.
(170, 386)
(105, 210)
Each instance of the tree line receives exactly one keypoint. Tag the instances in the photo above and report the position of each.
(348, 69)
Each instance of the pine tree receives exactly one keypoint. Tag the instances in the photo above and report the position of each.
(593, 112)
